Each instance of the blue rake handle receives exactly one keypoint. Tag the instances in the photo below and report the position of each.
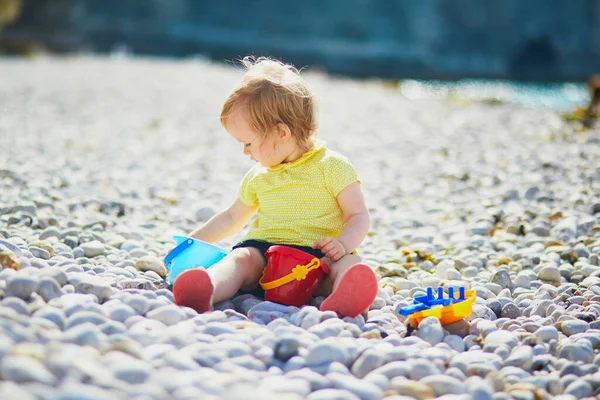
(177, 250)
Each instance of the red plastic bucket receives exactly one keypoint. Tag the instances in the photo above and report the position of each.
(291, 275)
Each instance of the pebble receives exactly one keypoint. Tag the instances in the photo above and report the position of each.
(574, 326)
(22, 369)
(444, 384)
(21, 286)
(151, 263)
(92, 249)
(430, 330)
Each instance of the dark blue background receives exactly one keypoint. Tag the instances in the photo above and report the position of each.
(543, 40)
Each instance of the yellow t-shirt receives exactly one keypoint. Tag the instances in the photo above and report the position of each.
(297, 201)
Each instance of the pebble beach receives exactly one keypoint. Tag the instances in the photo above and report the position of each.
(104, 159)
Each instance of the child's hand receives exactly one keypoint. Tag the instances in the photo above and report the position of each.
(331, 247)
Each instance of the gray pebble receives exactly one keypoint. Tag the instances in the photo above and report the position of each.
(547, 333)
(420, 368)
(15, 303)
(521, 357)
(40, 253)
(574, 326)
(367, 362)
(92, 248)
(430, 330)
(549, 274)
(49, 289)
(22, 369)
(576, 352)
(84, 334)
(139, 303)
(579, 388)
(121, 312)
(363, 389)
(444, 384)
(332, 394)
(132, 371)
(510, 310)
(81, 317)
(326, 352)
(168, 314)
(21, 286)
(54, 314)
(286, 347)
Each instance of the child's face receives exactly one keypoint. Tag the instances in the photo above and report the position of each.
(269, 152)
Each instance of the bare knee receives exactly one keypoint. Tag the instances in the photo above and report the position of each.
(248, 264)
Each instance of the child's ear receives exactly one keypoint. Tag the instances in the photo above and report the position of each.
(283, 131)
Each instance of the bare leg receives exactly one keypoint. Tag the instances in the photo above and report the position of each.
(200, 288)
(241, 268)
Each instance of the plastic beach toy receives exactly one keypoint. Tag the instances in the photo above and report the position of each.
(291, 275)
(447, 309)
(191, 253)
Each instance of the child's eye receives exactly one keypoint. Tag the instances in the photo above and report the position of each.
(247, 144)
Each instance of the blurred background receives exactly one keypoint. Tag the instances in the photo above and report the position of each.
(433, 42)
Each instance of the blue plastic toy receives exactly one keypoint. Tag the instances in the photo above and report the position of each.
(447, 309)
(427, 301)
(191, 253)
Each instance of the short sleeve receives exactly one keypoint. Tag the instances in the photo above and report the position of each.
(247, 191)
(339, 173)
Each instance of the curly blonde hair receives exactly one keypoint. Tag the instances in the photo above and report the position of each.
(272, 93)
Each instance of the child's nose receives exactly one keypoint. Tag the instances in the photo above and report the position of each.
(246, 151)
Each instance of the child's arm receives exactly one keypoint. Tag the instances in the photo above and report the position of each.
(356, 216)
(225, 223)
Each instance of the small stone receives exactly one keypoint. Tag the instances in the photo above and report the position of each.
(121, 312)
(21, 286)
(430, 330)
(510, 310)
(521, 357)
(332, 394)
(367, 362)
(547, 333)
(49, 232)
(444, 384)
(92, 248)
(49, 289)
(363, 389)
(8, 259)
(574, 326)
(420, 368)
(89, 284)
(576, 352)
(455, 342)
(151, 263)
(579, 388)
(54, 314)
(414, 389)
(40, 253)
(57, 274)
(498, 339)
(532, 192)
(22, 369)
(168, 314)
(549, 274)
(286, 347)
(502, 278)
(132, 371)
(326, 352)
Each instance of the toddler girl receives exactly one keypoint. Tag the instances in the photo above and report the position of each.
(306, 196)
